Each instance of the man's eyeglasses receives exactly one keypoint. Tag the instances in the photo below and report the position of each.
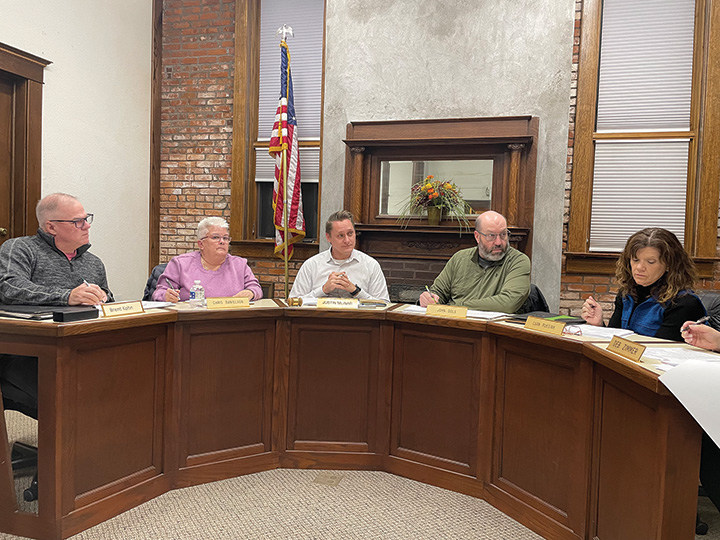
(493, 236)
(79, 222)
(217, 238)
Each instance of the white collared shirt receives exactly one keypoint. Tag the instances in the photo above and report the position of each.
(360, 268)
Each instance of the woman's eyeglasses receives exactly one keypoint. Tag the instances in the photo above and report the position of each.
(217, 238)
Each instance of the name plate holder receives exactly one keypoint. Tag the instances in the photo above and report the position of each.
(122, 308)
(229, 302)
(337, 303)
(626, 348)
(545, 325)
(443, 310)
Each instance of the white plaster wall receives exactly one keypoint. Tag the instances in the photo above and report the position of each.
(96, 118)
(404, 59)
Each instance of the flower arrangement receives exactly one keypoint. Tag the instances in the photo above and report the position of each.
(436, 196)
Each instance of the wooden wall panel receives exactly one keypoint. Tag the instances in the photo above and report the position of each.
(634, 491)
(542, 434)
(227, 390)
(435, 406)
(117, 408)
(333, 386)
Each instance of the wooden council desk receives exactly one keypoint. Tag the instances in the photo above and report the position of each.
(567, 438)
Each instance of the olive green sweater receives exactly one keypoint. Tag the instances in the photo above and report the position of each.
(502, 286)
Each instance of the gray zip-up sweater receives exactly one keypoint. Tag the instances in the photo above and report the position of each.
(34, 272)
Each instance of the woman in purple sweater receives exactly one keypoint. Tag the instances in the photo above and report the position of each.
(220, 273)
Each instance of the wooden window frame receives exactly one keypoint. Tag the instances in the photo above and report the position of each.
(703, 189)
(243, 193)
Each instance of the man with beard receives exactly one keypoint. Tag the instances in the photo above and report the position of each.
(491, 277)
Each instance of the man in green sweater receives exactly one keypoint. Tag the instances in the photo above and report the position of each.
(491, 277)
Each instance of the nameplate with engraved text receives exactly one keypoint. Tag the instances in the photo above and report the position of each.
(122, 308)
(544, 325)
(337, 303)
(443, 310)
(227, 302)
(626, 348)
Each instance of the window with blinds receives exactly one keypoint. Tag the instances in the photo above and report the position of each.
(306, 17)
(643, 125)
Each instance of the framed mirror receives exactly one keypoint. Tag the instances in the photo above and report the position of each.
(473, 177)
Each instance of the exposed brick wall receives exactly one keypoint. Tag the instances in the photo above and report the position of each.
(574, 288)
(196, 130)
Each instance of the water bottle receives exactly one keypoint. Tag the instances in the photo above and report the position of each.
(197, 295)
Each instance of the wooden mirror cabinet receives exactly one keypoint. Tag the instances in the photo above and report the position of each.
(508, 143)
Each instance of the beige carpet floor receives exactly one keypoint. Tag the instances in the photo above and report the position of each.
(316, 505)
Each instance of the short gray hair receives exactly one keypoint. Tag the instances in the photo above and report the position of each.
(214, 221)
(47, 206)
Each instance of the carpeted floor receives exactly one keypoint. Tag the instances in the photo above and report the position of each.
(317, 505)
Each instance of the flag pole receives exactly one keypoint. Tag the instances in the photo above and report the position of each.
(285, 220)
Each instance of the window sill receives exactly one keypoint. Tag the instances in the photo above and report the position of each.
(264, 249)
(604, 264)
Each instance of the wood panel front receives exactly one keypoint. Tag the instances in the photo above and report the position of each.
(332, 400)
(113, 392)
(542, 415)
(226, 372)
(646, 459)
(436, 396)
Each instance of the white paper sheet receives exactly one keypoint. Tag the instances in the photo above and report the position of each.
(588, 330)
(674, 356)
(472, 313)
(695, 384)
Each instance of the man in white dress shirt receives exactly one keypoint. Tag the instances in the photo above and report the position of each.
(342, 270)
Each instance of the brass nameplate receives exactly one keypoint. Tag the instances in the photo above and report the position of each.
(337, 303)
(230, 302)
(122, 308)
(544, 325)
(626, 348)
(443, 310)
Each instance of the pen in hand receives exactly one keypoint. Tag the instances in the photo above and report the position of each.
(86, 283)
(701, 320)
(169, 284)
(431, 295)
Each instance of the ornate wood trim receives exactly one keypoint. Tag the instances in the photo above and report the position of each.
(509, 141)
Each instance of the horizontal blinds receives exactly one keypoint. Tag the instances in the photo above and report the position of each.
(637, 184)
(309, 165)
(306, 19)
(646, 65)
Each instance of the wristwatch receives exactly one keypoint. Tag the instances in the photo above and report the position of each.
(356, 291)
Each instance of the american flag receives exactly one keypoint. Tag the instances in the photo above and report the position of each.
(285, 137)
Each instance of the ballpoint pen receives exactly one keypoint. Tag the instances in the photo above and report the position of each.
(701, 320)
(169, 284)
(86, 283)
(430, 293)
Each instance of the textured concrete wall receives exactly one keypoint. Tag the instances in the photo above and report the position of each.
(404, 59)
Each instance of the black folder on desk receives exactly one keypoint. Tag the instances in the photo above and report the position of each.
(569, 319)
(56, 313)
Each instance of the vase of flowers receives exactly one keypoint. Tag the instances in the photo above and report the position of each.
(437, 198)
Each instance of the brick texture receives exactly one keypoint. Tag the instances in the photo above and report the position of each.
(196, 129)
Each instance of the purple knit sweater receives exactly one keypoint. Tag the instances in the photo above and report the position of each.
(232, 277)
